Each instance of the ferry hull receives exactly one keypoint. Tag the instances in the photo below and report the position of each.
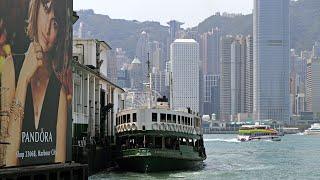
(155, 164)
(248, 138)
(312, 133)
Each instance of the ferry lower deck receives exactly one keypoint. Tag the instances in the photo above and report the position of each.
(152, 150)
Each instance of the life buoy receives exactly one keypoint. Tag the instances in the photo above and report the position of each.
(166, 127)
(128, 127)
(161, 127)
(189, 130)
(155, 126)
(134, 127)
(175, 127)
(185, 129)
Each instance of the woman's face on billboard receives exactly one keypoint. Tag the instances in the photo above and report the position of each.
(47, 25)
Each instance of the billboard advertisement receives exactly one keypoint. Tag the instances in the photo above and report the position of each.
(36, 81)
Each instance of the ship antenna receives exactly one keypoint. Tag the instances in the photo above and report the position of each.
(150, 82)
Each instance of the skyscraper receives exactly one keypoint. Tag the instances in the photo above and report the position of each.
(174, 29)
(155, 55)
(142, 50)
(271, 60)
(209, 51)
(249, 76)
(238, 65)
(211, 100)
(135, 70)
(184, 57)
(313, 86)
(225, 77)
(316, 50)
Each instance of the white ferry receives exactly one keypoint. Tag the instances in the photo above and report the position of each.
(313, 130)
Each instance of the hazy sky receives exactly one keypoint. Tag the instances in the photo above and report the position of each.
(191, 12)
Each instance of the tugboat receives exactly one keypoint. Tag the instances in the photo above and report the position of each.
(258, 132)
(155, 137)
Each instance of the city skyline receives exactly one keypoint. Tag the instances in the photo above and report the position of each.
(165, 10)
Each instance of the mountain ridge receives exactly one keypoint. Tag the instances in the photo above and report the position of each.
(305, 29)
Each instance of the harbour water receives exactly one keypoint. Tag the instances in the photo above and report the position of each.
(294, 157)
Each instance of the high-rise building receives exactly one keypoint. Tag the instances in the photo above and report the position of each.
(135, 71)
(142, 50)
(209, 51)
(121, 58)
(123, 78)
(211, 101)
(238, 72)
(249, 76)
(174, 28)
(155, 55)
(313, 86)
(158, 82)
(316, 50)
(271, 60)
(184, 57)
(225, 77)
(112, 72)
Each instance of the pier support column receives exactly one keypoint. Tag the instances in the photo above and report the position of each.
(163, 142)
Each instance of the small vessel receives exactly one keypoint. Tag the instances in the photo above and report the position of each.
(258, 132)
(313, 130)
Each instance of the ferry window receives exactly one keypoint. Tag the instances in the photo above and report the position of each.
(162, 117)
(174, 119)
(120, 121)
(189, 121)
(124, 119)
(134, 117)
(192, 121)
(183, 122)
(128, 118)
(169, 118)
(117, 121)
(154, 117)
(178, 119)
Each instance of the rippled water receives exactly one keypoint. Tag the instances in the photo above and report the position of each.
(294, 157)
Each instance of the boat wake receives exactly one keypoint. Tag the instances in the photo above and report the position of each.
(299, 134)
(233, 140)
